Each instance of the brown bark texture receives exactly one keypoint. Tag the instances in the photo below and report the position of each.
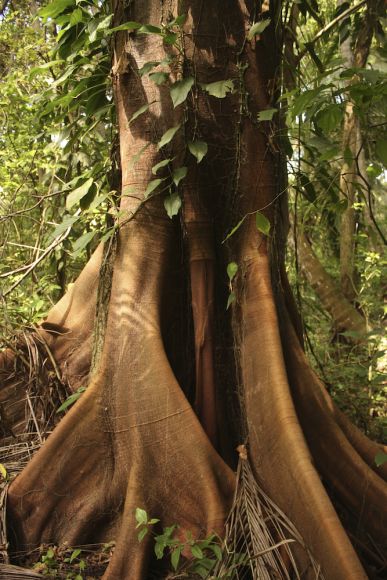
(158, 424)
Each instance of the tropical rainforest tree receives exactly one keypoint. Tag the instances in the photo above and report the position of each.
(183, 324)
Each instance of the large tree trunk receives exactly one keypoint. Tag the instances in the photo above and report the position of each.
(134, 439)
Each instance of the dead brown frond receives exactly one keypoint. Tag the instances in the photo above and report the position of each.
(32, 390)
(7, 572)
(31, 394)
(260, 540)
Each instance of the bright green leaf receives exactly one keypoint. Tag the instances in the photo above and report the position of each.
(126, 26)
(206, 563)
(76, 16)
(201, 571)
(76, 195)
(178, 21)
(168, 531)
(139, 112)
(71, 399)
(98, 24)
(219, 89)
(258, 28)
(152, 185)
(142, 533)
(231, 299)
(329, 118)
(234, 229)
(104, 22)
(168, 136)
(374, 170)
(159, 78)
(81, 243)
(47, 65)
(380, 458)
(172, 204)
(97, 201)
(148, 66)
(74, 555)
(3, 471)
(160, 165)
(141, 516)
(55, 8)
(232, 269)
(180, 89)
(159, 550)
(196, 552)
(266, 114)
(198, 149)
(150, 29)
(67, 222)
(303, 101)
(63, 20)
(262, 223)
(217, 551)
(170, 38)
(175, 557)
(69, 71)
(381, 151)
(179, 174)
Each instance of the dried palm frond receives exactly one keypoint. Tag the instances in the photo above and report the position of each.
(260, 538)
(8, 571)
(45, 391)
(3, 527)
(32, 392)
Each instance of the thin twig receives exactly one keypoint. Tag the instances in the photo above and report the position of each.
(28, 268)
(34, 418)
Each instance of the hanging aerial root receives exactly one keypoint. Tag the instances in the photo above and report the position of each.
(260, 539)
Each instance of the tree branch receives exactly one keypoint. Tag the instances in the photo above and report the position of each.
(29, 267)
(329, 27)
